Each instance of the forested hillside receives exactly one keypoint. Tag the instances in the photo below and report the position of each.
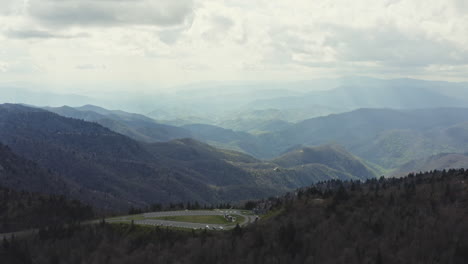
(389, 138)
(386, 137)
(21, 174)
(417, 219)
(112, 171)
(437, 162)
(26, 210)
(135, 126)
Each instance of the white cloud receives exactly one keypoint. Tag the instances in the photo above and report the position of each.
(12, 7)
(177, 41)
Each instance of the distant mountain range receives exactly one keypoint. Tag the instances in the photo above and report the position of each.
(374, 93)
(119, 171)
(388, 138)
(443, 161)
(258, 107)
(241, 109)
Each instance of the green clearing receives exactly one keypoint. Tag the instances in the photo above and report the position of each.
(203, 219)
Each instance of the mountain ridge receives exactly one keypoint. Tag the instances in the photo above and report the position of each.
(122, 172)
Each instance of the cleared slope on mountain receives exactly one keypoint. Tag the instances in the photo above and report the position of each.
(333, 156)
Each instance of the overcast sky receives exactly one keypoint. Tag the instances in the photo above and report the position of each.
(160, 43)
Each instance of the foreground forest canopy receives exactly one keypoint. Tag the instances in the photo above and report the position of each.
(21, 210)
(417, 219)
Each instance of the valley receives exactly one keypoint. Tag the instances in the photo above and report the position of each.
(120, 172)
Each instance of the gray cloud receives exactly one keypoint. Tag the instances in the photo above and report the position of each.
(219, 26)
(40, 34)
(111, 12)
(378, 46)
(389, 45)
(461, 6)
(10, 7)
(170, 36)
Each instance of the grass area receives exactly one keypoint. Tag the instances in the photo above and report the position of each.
(203, 219)
(149, 228)
(126, 225)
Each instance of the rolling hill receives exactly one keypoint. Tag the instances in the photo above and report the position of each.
(334, 156)
(362, 92)
(21, 174)
(121, 172)
(443, 161)
(387, 137)
(136, 126)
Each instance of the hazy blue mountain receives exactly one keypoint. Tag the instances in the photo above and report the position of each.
(119, 171)
(443, 161)
(383, 136)
(253, 107)
(115, 114)
(372, 93)
(18, 95)
(386, 137)
(136, 126)
(259, 106)
(218, 136)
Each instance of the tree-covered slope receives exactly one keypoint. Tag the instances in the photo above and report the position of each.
(333, 156)
(21, 174)
(416, 219)
(120, 172)
(365, 133)
(136, 126)
(441, 161)
(21, 210)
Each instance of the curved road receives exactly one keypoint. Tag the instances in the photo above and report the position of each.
(157, 222)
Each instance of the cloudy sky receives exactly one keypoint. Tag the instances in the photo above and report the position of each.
(161, 43)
